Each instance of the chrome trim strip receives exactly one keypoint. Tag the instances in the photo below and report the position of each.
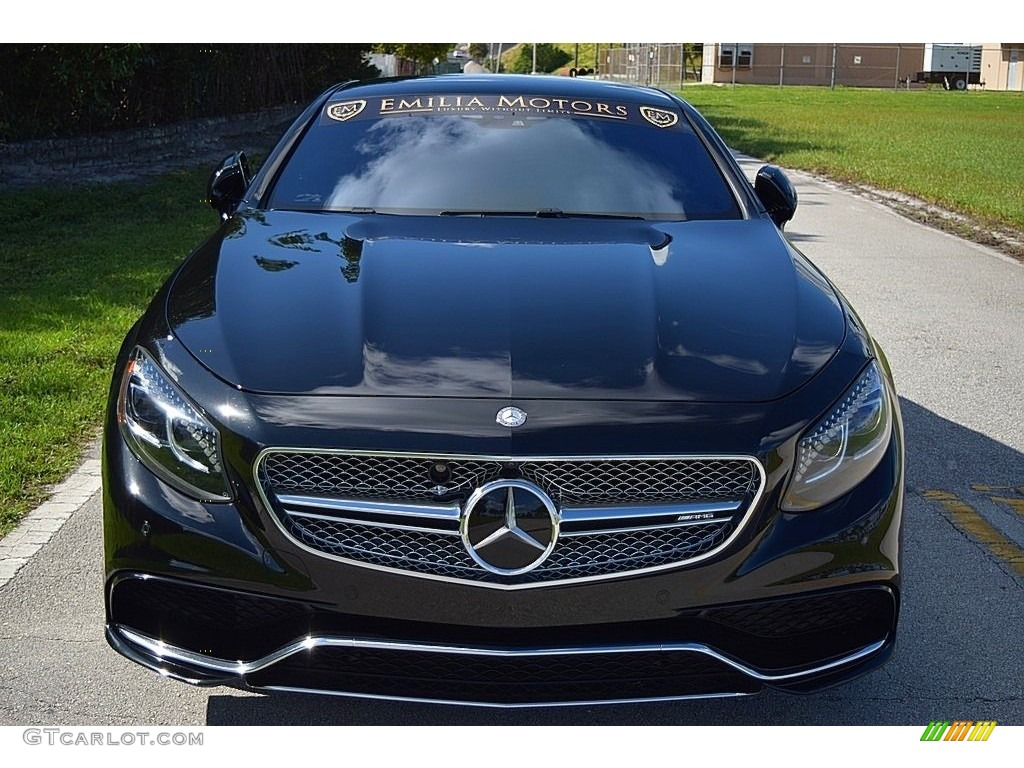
(445, 532)
(653, 527)
(628, 512)
(174, 653)
(164, 651)
(120, 643)
(124, 647)
(371, 523)
(477, 457)
(496, 705)
(509, 457)
(450, 511)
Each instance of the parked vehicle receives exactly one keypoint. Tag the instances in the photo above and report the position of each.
(509, 391)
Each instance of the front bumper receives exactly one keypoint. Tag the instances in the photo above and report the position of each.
(201, 636)
(216, 594)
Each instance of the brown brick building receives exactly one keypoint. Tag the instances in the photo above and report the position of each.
(880, 65)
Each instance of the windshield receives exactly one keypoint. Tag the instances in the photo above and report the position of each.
(498, 154)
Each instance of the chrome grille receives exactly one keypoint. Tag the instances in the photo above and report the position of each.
(619, 515)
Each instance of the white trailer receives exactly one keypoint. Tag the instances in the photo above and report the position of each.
(955, 65)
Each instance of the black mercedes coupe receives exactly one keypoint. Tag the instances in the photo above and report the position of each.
(504, 391)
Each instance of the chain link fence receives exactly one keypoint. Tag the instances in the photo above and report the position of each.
(895, 65)
(664, 65)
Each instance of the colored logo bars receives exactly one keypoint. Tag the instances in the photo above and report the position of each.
(959, 730)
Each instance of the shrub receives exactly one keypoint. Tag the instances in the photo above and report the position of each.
(549, 58)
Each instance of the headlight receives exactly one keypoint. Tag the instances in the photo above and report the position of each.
(841, 450)
(167, 433)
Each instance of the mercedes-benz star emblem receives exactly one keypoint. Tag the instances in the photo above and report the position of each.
(509, 527)
(511, 417)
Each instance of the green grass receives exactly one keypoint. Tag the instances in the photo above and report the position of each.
(77, 268)
(961, 151)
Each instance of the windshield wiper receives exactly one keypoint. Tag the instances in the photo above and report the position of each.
(353, 209)
(486, 213)
(581, 215)
(543, 213)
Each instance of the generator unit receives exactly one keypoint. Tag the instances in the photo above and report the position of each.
(954, 65)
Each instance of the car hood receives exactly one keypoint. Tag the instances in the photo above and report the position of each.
(505, 308)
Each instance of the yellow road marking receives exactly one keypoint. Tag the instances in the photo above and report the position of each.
(964, 517)
(1017, 505)
(983, 488)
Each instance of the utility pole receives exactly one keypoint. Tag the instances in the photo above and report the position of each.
(533, 70)
(576, 59)
(832, 85)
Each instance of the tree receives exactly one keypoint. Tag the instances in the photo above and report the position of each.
(67, 89)
(549, 58)
(421, 53)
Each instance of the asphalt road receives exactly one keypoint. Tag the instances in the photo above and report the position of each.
(949, 315)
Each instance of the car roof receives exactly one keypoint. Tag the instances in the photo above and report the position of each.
(546, 85)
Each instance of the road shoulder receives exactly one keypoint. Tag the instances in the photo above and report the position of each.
(41, 524)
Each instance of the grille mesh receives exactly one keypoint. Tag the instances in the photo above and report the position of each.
(576, 557)
(373, 477)
(432, 553)
(614, 553)
(622, 482)
(613, 482)
(786, 618)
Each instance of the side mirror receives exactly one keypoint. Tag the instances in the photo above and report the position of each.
(228, 183)
(776, 193)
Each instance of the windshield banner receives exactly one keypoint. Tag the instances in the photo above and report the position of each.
(499, 106)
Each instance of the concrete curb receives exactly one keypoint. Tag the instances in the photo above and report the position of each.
(40, 525)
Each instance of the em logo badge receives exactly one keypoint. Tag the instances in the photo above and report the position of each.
(345, 110)
(659, 118)
(959, 730)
